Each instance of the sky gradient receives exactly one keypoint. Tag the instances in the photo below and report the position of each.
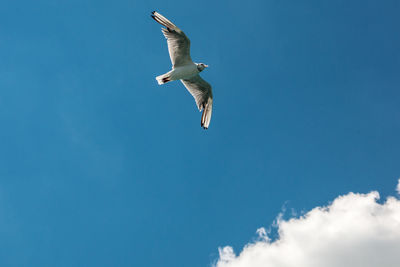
(101, 166)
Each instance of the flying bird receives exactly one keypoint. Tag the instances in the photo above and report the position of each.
(184, 69)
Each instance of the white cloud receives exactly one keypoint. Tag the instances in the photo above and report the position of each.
(398, 187)
(355, 230)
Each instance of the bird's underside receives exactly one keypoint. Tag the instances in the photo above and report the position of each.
(184, 69)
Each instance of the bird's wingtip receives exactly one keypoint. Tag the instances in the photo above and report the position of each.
(203, 126)
(153, 12)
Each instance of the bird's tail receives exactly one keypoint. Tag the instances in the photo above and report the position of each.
(207, 111)
(164, 78)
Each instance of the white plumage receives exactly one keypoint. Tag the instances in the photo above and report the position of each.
(184, 69)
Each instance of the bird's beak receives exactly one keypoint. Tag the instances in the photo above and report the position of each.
(206, 66)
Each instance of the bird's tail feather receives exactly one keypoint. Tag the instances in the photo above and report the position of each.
(207, 111)
(164, 78)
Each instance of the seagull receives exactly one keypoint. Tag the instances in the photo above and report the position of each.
(184, 69)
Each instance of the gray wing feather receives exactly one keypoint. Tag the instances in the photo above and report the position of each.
(199, 89)
(178, 42)
(202, 93)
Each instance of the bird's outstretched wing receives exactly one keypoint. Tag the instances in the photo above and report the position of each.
(178, 43)
(202, 93)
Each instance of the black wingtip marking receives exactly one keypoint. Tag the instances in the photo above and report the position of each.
(202, 126)
(153, 12)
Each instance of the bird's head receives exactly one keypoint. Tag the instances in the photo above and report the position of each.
(201, 66)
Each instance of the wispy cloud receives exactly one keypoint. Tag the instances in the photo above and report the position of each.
(355, 230)
(398, 186)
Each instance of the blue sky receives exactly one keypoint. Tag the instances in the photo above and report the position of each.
(100, 166)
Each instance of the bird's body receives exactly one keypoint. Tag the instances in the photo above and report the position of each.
(184, 69)
(178, 73)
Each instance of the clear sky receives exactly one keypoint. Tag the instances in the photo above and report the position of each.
(101, 166)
